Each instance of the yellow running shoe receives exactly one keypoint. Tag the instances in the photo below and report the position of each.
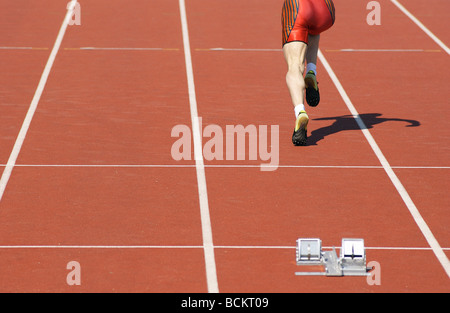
(312, 89)
(300, 132)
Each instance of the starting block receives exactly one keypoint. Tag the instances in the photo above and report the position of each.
(352, 260)
(309, 251)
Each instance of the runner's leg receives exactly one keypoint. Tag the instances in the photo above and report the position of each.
(294, 54)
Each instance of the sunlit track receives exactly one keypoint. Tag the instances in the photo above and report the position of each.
(34, 103)
(421, 26)
(421, 223)
(92, 174)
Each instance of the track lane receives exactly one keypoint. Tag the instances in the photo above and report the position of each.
(22, 68)
(244, 212)
(432, 15)
(27, 23)
(121, 270)
(18, 80)
(272, 269)
(413, 132)
(114, 109)
(107, 108)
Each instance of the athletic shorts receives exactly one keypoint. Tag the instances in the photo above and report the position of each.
(302, 17)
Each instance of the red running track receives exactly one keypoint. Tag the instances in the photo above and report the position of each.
(95, 181)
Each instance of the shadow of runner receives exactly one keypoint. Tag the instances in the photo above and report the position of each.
(348, 122)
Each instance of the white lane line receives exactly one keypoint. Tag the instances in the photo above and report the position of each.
(330, 247)
(419, 23)
(96, 247)
(221, 166)
(328, 50)
(34, 103)
(242, 49)
(16, 48)
(195, 247)
(210, 263)
(94, 49)
(434, 244)
(121, 49)
(381, 50)
(23, 48)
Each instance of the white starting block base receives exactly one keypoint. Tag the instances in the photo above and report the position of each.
(352, 261)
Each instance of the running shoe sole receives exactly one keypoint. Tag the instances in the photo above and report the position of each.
(312, 90)
(300, 135)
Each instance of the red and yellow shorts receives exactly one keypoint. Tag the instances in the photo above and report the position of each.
(302, 17)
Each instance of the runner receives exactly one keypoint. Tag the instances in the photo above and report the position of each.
(303, 21)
